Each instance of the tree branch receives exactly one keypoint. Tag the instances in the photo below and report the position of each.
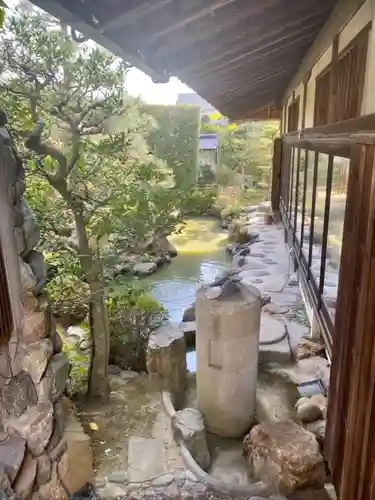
(35, 143)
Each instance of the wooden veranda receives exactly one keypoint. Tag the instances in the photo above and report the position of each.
(350, 440)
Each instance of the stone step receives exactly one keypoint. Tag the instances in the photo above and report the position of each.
(274, 343)
(275, 397)
(146, 459)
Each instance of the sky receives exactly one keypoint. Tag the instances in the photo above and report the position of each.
(139, 84)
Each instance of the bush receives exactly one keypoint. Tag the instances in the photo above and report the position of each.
(201, 202)
(133, 315)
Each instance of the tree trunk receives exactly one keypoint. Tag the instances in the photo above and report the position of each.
(98, 384)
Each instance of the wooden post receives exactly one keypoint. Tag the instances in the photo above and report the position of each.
(276, 174)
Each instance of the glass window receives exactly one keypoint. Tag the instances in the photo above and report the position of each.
(335, 230)
(308, 203)
(321, 188)
(301, 169)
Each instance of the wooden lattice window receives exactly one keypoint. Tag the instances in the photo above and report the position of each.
(322, 98)
(6, 317)
(349, 82)
(339, 88)
(293, 114)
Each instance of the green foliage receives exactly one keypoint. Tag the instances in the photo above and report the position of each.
(201, 202)
(175, 139)
(80, 369)
(247, 149)
(133, 315)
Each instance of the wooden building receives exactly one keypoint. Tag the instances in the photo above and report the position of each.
(312, 64)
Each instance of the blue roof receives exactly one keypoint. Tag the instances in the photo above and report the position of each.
(208, 141)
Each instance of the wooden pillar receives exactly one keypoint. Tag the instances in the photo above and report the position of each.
(276, 174)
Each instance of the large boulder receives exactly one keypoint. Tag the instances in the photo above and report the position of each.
(285, 456)
(189, 424)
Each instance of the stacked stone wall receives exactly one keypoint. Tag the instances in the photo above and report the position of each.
(39, 456)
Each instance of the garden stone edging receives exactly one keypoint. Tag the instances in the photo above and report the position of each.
(252, 490)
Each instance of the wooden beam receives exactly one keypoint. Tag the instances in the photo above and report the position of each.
(280, 45)
(240, 42)
(132, 15)
(218, 4)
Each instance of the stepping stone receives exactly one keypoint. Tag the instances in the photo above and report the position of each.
(146, 459)
(277, 348)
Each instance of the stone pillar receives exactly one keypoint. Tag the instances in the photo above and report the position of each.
(34, 370)
(227, 342)
(166, 361)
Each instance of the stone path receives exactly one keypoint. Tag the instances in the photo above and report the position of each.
(269, 268)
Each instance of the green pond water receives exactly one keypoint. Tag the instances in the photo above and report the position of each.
(201, 257)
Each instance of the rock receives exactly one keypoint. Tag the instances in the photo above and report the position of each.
(238, 232)
(56, 342)
(30, 228)
(166, 361)
(18, 189)
(284, 456)
(19, 394)
(35, 425)
(189, 423)
(43, 470)
(321, 401)
(58, 371)
(114, 370)
(24, 483)
(56, 452)
(309, 347)
(36, 359)
(53, 489)
(264, 207)
(12, 452)
(28, 279)
(44, 389)
(128, 374)
(20, 243)
(119, 477)
(35, 260)
(30, 303)
(189, 314)
(60, 418)
(78, 332)
(86, 345)
(143, 269)
(5, 486)
(272, 308)
(301, 401)
(34, 327)
(75, 467)
(309, 412)
(319, 429)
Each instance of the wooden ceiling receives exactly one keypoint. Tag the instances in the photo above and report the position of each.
(239, 55)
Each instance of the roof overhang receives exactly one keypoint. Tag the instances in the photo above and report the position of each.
(239, 55)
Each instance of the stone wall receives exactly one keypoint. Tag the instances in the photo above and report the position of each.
(36, 456)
